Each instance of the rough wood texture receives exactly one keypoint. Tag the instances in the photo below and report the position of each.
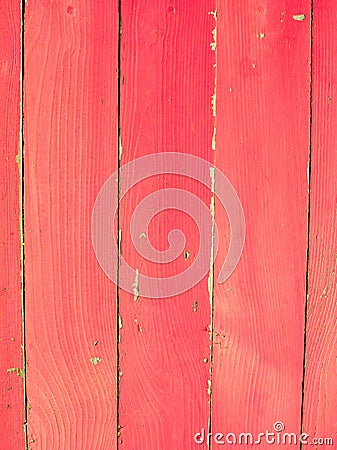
(263, 73)
(167, 80)
(70, 149)
(228, 82)
(11, 361)
(320, 402)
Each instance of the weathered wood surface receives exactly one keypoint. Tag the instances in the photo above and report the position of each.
(247, 86)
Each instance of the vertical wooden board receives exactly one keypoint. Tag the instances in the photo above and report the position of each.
(167, 82)
(11, 361)
(320, 404)
(70, 133)
(263, 98)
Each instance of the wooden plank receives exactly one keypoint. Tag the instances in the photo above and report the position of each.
(70, 133)
(263, 69)
(320, 403)
(11, 360)
(167, 82)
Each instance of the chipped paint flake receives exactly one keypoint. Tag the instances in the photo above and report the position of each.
(139, 325)
(299, 17)
(95, 361)
(209, 388)
(214, 31)
(212, 175)
(210, 285)
(214, 102)
(135, 286)
(213, 44)
(214, 14)
(214, 139)
(17, 370)
(120, 148)
(120, 241)
(120, 321)
(187, 254)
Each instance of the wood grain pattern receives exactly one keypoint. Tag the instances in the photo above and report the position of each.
(70, 149)
(167, 82)
(11, 360)
(263, 57)
(320, 403)
(106, 83)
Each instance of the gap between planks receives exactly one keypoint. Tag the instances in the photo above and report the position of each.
(308, 221)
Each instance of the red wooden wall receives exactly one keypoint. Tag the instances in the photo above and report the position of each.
(248, 86)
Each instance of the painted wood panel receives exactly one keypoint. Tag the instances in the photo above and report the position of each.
(262, 145)
(167, 83)
(70, 138)
(11, 359)
(320, 404)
